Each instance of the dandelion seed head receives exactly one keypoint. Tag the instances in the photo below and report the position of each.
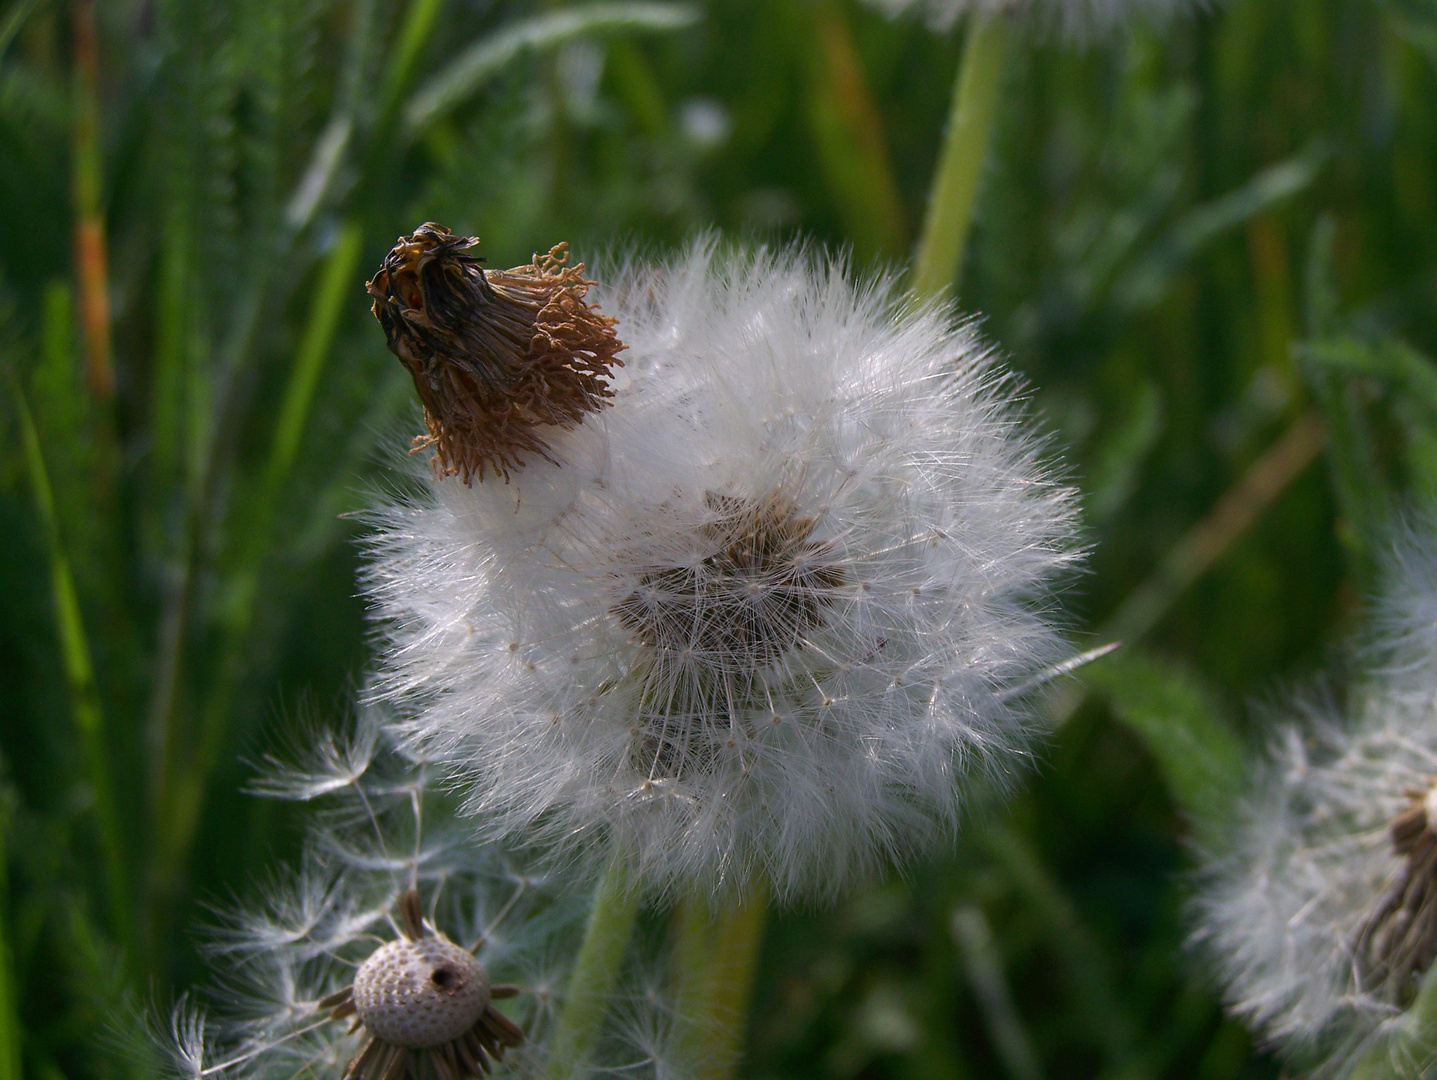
(761, 613)
(1320, 911)
(420, 993)
(373, 959)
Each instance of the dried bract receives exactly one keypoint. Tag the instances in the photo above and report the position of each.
(496, 357)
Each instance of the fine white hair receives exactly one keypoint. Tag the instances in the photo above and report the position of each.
(1075, 20)
(772, 611)
(1282, 905)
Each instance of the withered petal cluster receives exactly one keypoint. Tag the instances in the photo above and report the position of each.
(496, 356)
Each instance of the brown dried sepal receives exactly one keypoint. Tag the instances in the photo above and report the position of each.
(496, 357)
(467, 1057)
(1398, 940)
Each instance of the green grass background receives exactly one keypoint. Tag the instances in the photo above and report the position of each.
(1211, 249)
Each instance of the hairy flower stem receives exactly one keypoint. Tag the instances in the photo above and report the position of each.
(596, 970)
(939, 262)
(714, 958)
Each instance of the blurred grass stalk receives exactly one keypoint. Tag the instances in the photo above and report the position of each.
(1206, 542)
(79, 674)
(91, 256)
(938, 264)
(182, 794)
(852, 147)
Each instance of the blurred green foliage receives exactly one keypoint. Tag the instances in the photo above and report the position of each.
(1197, 244)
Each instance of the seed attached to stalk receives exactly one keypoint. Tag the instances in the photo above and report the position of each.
(426, 1005)
(496, 356)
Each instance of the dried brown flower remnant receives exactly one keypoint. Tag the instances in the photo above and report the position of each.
(426, 1006)
(1398, 941)
(496, 356)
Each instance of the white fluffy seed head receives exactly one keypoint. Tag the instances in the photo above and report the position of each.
(1308, 908)
(420, 993)
(765, 611)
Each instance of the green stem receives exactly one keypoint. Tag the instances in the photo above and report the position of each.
(79, 671)
(611, 922)
(938, 264)
(714, 959)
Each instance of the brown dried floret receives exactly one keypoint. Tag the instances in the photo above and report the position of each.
(496, 356)
(1398, 940)
(426, 1007)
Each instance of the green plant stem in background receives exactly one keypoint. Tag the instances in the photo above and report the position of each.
(596, 969)
(714, 958)
(1206, 542)
(853, 155)
(91, 257)
(79, 672)
(187, 785)
(939, 262)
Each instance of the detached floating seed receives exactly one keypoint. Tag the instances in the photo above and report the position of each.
(496, 356)
(427, 1007)
(1398, 940)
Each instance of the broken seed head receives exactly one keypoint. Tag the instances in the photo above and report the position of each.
(421, 993)
(496, 356)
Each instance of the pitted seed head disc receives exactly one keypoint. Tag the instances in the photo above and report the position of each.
(420, 993)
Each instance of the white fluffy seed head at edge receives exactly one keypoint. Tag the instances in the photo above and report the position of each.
(1310, 853)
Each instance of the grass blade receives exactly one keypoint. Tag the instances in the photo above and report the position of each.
(483, 60)
(79, 671)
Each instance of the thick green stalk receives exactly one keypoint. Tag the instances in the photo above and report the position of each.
(611, 923)
(79, 671)
(939, 262)
(714, 958)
